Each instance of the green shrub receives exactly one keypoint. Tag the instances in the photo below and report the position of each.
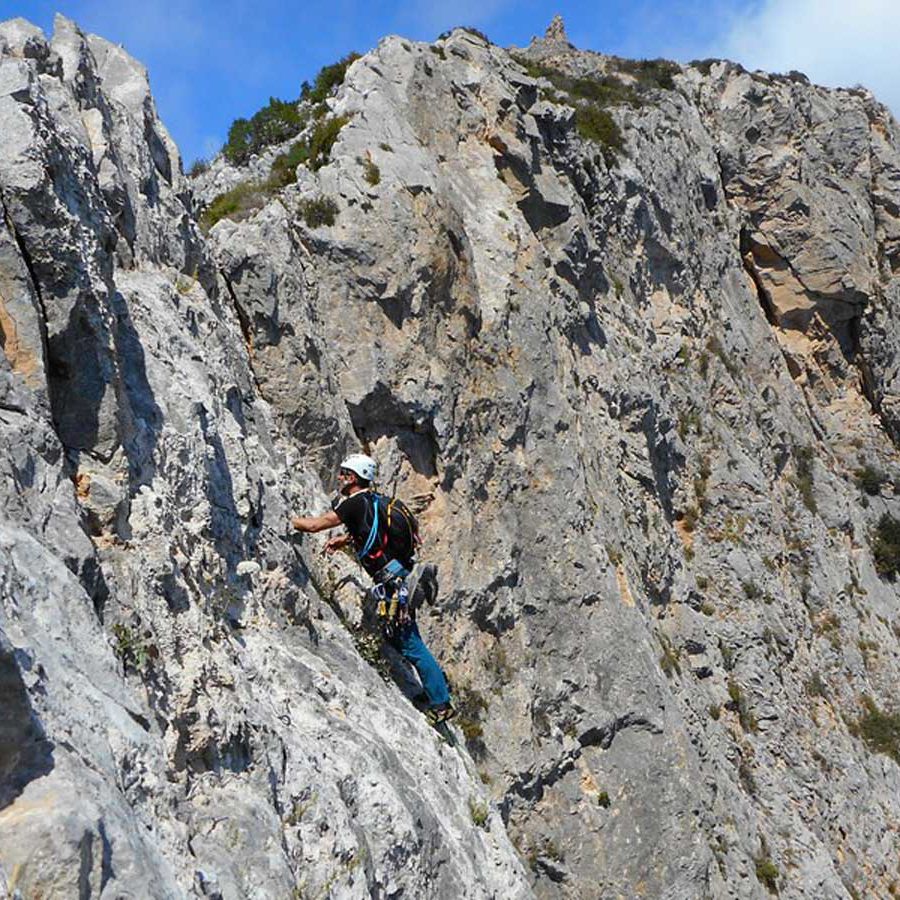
(252, 195)
(370, 646)
(552, 851)
(603, 89)
(479, 812)
(879, 730)
(803, 480)
(886, 546)
(280, 120)
(322, 140)
(240, 140)
(606, 90)
(714, 345)
(317, 211)
(869, 479)
(668, 661)
(284, 169)
(651, 73)
(445, 34)
(590, 96)
(327, 80)
(869, 649)
(741, 707)
(728, 656)
(236, 203)
(470, 710)
(274, 123)
(198, 167)
(371, 172)
(745, 772)
(689, 422)
(603, 799)
(829, 626)
(597, 125)
(131, 648)
(535, 69)
(815, 686)
(689, 518)
(184, 284)
(751, 589)
(767, 873)
(477, 33)
(314, 152)
(704, 66)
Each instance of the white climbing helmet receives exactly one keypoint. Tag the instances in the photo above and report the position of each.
(362, 465)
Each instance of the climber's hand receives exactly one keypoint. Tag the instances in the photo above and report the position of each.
(335, 543)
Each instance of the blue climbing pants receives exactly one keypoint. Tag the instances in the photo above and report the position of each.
(406, 639)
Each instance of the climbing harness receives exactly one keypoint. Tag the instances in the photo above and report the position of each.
(390, 571)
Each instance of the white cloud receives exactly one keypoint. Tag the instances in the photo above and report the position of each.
(835, 42)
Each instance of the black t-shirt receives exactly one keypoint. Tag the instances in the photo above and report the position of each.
(356, 513)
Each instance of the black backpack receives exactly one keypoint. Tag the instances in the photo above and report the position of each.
(394, 532)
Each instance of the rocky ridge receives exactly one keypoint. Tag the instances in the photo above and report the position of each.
(631, 391)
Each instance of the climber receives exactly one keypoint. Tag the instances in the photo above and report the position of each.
(366, 516)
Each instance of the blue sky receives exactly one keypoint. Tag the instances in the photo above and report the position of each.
(211, 62)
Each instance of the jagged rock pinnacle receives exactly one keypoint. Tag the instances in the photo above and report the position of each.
(556, 30)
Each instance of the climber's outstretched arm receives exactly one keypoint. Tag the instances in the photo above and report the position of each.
(316, 523)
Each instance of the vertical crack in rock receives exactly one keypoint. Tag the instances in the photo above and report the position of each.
(34, 283)
(87, 864)
(765, 301)
(243, 321)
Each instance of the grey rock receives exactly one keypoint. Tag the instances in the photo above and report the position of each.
(627, 395)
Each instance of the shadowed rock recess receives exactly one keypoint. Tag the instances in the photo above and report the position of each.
(626, 334)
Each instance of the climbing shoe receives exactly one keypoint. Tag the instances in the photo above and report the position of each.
(443, 712)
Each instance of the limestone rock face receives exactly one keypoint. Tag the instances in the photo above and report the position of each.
(184, 713)
(643, 398)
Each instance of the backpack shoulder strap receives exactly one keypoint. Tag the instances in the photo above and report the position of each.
(373, 531)
(390, 510)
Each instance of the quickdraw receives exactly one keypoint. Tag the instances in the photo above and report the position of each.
(392, 597)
